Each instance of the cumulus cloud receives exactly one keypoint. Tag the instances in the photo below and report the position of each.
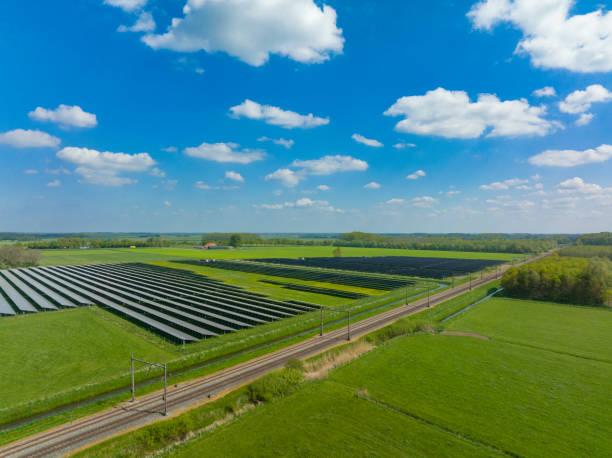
(234, 176)
(54, 184)
(251, 31)
(416, 175)
(372, 185)
(20, 138)
(323, 187)
(572, 158)
(330, 164)
(127, 5)
(452, 114)
(144, 23)
(395, 201)
(103, 168)
(276, 116)
(302, 203)
(30, 172)
(277, 141)
(225, 152)
(366, 141)
(551, 36)
(581, 101)
(424, 202)
(577, 185)
(65, 116)
(167, 204)
(503, 185)
(547, 91)
(286, 177)
(170, 149)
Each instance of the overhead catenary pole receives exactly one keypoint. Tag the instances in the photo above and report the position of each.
(133, 394)
(321, 333)
(165, 391)
(348, 328)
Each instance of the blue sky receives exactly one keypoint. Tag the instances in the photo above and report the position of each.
(302, 115)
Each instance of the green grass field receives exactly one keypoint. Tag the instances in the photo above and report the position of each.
(47, 354)
(573, 330)
(58, 257)
(523, 393)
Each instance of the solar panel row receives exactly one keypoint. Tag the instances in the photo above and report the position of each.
(179, 304)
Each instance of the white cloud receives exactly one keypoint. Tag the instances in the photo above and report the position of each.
(404, 145)
(59, 171)
(224, 152)
(577, 185)
(235, 176)
(581, 101)
(503, 185)
(276, 116)
(551, 36)
(451, 114)
(395, 201)
(20, 138)
(170, 149)
(584, 119)
(323, 187)
(547, 91)
(30, 172)
(201, 185)
(366, 141)
(277, 141)
(416, 175)
(510, 204)
(144, 23)
(424, 202)
(54, 184)
(330, 164)
(536, 177)
(127, 5)
(302, 203)
(169, 184)
(65, 116)
(199, 71)
(372, 185)
(157, 173)
(561, 202)
(252, 30)
(572, 158)
(103, 168)
(167, 204)
(452, 193)
(287, 177)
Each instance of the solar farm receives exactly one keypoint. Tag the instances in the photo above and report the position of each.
(180, 305)
(392, 265)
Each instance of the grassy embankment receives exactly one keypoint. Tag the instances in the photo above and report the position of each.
(538, 387)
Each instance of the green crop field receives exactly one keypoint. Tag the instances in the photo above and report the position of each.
(523, 393)
(47, 354)
(58, 257)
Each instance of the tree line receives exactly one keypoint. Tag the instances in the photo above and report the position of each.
(587, 251)
(484, 243)
(561, 279)
(16, 255)
(602, 238)
(80, 242)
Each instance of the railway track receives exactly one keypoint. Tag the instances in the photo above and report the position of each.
(147, 409)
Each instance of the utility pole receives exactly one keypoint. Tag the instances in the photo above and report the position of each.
(133, 394)
(321, 333)
(428, 301)
(348, 337)
(165, 391)
(470, 281)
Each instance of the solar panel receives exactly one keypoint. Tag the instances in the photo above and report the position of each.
(20, 302)
(167, 330)
(5, 307)
(80, 300)
(170, 320)
(29, 292)
(43, 289)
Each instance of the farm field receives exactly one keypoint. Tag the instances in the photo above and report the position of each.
(56, 257)
(51, 353)
(488, 392)
(573, 330)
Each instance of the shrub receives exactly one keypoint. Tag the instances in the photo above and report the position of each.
(295, 363)
(274, 385)
(403, 327)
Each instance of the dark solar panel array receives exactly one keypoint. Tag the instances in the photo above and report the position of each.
(178, 304)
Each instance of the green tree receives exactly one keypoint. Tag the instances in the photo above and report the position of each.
(235, 240)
